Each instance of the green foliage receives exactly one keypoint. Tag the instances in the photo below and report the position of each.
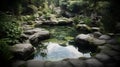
(87, 20)
(77, 6)
(10, 30)
(82, 19)
(28, 17)
(77, 19)
(5, 54)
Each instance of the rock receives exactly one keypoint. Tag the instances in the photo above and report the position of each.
(38, 23)
(35, 63)
(32, 31)
(112, 41)
(93, 63)
(61, 64)
(94, 29)
(23, 37)
(104, 37)
(18, 63)
(97, 34)
(98, 42)
(114, 47)
(49, 64)
(27, 27)
(77, 62)
(58, 64)
(39, 36)
(104, 58)
(84, 39)
(50, 22)
(109, 51)
(22, 51)
(64, 21)
(36, 35)
(83, 28)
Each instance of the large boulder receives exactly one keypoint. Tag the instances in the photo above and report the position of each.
(97, 34)
(21, 51)
(98, 42)
(39, 35)
(105, 37)
(85, 39)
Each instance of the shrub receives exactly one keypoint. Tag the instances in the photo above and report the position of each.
(10, 29)
(77, 6)
(5, 54)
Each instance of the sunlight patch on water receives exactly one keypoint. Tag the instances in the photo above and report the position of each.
(56, 52)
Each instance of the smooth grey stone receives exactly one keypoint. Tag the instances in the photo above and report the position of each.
(103, 58)
(35, 63)
(18, 63)
(61, 64)
(22, 50)
(105, 37)
(77, 62)
(114, 47)
(109, 51)
(92, 62)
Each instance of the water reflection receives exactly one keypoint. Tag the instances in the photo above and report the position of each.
(55, 52)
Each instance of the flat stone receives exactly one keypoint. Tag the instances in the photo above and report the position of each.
(112, 65)
(23, 37)
(114, 47)
(62, 64)
(58, 64)
(109, 51)
(18, 63)
(103, 58)
(94, 29)
(92, 62)
(105, 37)
(35, 63)
(84, 39)
(39, 36)
(112, 41)
(98, 42)
(97, 34)
(22, 50)
(77, 62)
(35, 30)
(49, 64)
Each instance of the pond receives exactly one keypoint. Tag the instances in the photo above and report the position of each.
(61, 45)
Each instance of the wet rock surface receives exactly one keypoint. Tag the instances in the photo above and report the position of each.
(108, 56)
(21, 51)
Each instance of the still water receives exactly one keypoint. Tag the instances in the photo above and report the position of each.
(60, 45)
(55, 52)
